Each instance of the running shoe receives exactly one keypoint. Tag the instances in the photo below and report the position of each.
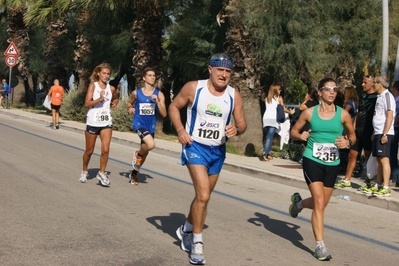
(83, 177)
(343, 184)
(371, 190)
(103, 179)
(136, 162)
(294, 210)
(382, 192)
(321, 253)
(185, 239)
(365, 185)
(134, 178)
(57, 126)
(197, 254)
(53, 127)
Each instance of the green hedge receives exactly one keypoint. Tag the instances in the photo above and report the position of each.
(73, 108)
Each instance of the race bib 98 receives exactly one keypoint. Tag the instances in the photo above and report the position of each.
(102, 116)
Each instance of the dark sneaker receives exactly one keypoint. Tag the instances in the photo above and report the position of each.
(134, 178)
(103, 179)
(137, 160)
(294, 210)
(321, 253)
(57, 126)
(365, 185)
(185, 239)
(197, 254)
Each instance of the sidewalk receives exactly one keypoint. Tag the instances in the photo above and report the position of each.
(278, 170)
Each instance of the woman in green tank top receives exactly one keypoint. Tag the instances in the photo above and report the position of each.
(321, 157)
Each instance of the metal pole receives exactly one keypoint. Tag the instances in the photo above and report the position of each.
(9, 84)
(396, 73)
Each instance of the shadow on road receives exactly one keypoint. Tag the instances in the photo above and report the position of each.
(282, 229)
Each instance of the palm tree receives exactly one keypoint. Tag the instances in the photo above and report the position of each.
(18, 32)
(246, 76)
(147, 35)
(52, 14)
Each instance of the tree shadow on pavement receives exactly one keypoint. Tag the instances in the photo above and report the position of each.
(282, 229)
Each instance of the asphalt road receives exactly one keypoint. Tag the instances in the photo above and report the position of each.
(48, 218)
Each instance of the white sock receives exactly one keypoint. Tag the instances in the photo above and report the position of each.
(197, 237)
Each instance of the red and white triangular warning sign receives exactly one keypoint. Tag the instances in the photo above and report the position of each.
(11, 50)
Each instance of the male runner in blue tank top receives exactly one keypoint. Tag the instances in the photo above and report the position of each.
(321, 157)
(211, 106)
(145, 103)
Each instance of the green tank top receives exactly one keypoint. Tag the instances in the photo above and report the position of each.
(320, 147)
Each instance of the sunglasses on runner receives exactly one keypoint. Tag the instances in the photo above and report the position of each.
(335, 89)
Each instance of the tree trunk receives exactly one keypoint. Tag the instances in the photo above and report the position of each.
(147, 36)
(82, 51)
(19, 35)
(55, 69)
(245, 78)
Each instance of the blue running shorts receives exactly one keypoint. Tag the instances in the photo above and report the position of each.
(212, 157)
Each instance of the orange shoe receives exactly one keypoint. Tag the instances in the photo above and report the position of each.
(134, 178)
(137, 160)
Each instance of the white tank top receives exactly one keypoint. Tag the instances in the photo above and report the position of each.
(99, 115)
(208, 116)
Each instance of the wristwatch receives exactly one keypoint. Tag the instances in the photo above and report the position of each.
(350, 144)
(384, 135)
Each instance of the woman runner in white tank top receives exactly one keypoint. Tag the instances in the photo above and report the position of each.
(100, 97)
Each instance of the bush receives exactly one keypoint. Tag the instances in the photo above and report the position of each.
(121, 119)
(72, 107)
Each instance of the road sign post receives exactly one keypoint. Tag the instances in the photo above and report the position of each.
(11, 54)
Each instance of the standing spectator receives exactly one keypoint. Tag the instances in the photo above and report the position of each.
(339, 99)
(393, 158)
(4, 91)
(384, 135)
(56, 93)
(270, 124)
(351, 101)
(321, 157)
(364, 130)
(145, 103)
(212, 105)
(311, 99)
(99, 121)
